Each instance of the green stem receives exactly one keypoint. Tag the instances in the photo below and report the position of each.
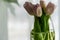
(37, 26)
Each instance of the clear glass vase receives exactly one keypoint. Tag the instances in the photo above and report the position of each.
(43, 36)
(48, 35)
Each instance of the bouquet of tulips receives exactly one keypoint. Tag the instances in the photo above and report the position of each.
(41, 14)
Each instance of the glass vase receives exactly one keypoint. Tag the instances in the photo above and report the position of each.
(42, 31)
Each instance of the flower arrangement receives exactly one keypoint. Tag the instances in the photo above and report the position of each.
(41, 14)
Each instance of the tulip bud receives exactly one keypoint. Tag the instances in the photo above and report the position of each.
(43, 6)
(50, 8)
(42, 3)
(39, 11)
(29, 7)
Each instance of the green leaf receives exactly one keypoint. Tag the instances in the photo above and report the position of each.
(12, 1)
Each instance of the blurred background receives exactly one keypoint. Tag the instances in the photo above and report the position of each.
(20, 22)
